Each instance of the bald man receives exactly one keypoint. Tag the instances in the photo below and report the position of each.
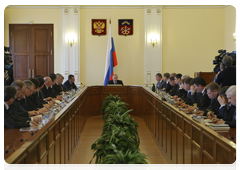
(47, 83)
(115, 80)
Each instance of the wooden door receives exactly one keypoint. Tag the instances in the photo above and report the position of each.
(32, 50)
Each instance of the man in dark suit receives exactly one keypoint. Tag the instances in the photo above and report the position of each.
(231, 95)
(227, 77)
(199, 94)
(187, 87)
(160, 82)
(69, 84)
(58, 87)
(9, 119)
(213, 93)
(115, 80)
(177, 79)
(168, 86)
(47, 83)
(173, 91)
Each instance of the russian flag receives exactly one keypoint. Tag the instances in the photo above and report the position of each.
(111, 59)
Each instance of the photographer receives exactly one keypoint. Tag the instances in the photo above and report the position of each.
(227, 77)
(8, 68)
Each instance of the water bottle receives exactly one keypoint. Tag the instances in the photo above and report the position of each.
(62, 105)
(47, 119)
(44, 120)
(51, 115)
(201, 120)
(69, 99)
(195, 117)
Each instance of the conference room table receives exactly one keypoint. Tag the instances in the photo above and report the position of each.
(182, 139)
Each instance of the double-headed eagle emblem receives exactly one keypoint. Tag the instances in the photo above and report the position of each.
(99, 27)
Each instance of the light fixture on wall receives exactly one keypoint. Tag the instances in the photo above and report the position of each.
(71, 42)
(234, 36)
(153, 42)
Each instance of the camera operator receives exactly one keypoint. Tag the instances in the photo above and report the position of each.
(8, 67)
(227, 77)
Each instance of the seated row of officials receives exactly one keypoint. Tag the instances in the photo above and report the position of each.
(219, 104)
(25, 101)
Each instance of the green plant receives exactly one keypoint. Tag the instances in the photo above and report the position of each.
(128, 158)
(115, 107)
(108, 100)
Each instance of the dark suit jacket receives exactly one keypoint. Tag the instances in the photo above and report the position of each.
(174, 90)
(16, 110)
(30, 103)
(213, 106)
(182, 93)
(11, 122)
(47, 93)
(69, 86)
(36, 100)
(118, 82)
(201, 99)
(187, 98)
(168, 87)
(161, 84)
(227, 77)
(59, 88)
(232, 123)
(226, 112)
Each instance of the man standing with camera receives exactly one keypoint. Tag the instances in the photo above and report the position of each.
(227, 77)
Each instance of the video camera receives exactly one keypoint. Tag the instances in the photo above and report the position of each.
(7, 58)
(218, 59)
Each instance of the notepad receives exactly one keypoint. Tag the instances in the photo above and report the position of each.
(28, 129)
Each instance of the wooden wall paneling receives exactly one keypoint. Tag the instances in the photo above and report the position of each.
(187, 157)
(44, 159)
(57, 154)
(206, 158)
(208, 144)
(196, 145)
(156, 123)
(133, 100)
(21, 163)
(235, 161)
(33, 155)
(187, 142)
(174, 143)
(164, 122)
(43, 149)
(96, 102)
(66, 146)
(51, 145)
(179, 146)
(169, 138)
(62, 146)
(223, 154)
(160, 128)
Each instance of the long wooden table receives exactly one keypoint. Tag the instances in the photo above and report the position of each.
(184, 140)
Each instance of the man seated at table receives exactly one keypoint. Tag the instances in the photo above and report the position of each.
(39, 94)
(160, 82)
(231, 95)
(16, 108)
(69, 84)
(115, 80)
(168, 86)
(173, 91)
(10, 120)
(212, 92)
(187, 86)
(199, 94)
(58, 87)
(46, 89)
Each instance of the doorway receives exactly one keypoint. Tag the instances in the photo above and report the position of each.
(31, 46)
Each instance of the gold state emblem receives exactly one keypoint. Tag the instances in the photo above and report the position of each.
(99, 27)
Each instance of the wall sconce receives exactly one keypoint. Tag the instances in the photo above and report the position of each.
(234, 36)
(153, 42)
(71, 42)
